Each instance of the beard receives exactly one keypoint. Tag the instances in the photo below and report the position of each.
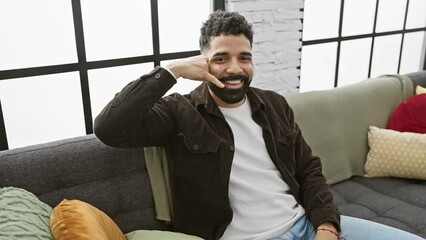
(231, 95)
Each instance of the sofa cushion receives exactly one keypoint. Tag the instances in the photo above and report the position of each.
(410, 115)
(114, 180)
(23, 215)
(396, 154)
(159, 235)
(336, 130)
(396, 202)
(75, 219)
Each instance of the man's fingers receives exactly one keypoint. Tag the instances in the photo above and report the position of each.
(214, 80)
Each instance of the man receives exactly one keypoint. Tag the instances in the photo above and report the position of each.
(239, 166)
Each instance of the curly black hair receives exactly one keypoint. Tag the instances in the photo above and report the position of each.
(226, 23)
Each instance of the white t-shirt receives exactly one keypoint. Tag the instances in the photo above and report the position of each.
(262, 206)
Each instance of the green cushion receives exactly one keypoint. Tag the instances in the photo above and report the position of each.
(23, 215)
(335, 122)
(159, 235)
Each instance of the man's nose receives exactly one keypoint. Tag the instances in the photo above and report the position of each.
(234, 67)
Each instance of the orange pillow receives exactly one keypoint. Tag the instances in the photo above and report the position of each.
(75, 219)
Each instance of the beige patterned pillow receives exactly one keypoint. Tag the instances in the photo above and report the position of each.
(420, 90)
(396, 154)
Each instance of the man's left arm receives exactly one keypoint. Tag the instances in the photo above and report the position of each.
(326, 231)
(315, 192)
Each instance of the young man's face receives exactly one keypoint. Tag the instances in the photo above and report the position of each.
(230, 60)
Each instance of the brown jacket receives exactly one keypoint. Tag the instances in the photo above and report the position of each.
(200, 148)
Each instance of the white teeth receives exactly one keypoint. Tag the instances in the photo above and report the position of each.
(233, 81)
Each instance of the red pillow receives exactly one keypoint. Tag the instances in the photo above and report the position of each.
(410, 115)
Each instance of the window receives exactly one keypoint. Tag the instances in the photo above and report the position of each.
(36, 38)
(42, 108)
(62, 61)
(345, 41)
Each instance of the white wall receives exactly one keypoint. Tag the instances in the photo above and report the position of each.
(277, 41)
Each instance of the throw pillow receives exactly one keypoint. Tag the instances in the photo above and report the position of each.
(410, 115)
(159, 235)
(395, 154)
(420, 90)
(75, 219)
(23, 215)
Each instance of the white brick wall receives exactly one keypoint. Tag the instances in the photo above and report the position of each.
(277, 28)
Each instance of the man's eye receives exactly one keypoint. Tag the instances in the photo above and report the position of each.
(219, 60)
(246, 59)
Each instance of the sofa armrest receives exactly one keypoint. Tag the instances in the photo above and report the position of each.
(418, 79)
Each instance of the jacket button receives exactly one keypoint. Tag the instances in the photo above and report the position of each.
(157, 75)
(196, 147)
(224, 182)
(231, 148)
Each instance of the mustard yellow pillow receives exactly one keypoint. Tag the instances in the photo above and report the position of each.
(395, 154)
(420, 90)
(75, 219)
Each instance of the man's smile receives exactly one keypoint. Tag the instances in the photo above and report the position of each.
(234, 81)
(233, 84)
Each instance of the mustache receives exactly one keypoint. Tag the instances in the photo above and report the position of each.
(234, 77)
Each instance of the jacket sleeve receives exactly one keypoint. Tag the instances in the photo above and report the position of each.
(137, 116)
(315, 192)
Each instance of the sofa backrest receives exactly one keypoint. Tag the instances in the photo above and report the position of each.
(113, 180)
(335, 122)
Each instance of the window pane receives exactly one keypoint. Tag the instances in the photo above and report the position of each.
(42, 109)
(354, 61)
(321, 19)
(318, 67)
(183, 86)
(180, 29)
(416, 14)
(391, 15)
(116, 29)
(36, 33)
(106, 82)
(386, 55)
(358, 17)
(411, 52)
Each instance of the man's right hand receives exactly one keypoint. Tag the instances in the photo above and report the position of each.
(194, 68)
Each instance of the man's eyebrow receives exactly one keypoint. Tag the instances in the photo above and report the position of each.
(220, 54)
(226, 53)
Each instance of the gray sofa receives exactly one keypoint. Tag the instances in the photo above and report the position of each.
(335, 123)
(116, 181)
